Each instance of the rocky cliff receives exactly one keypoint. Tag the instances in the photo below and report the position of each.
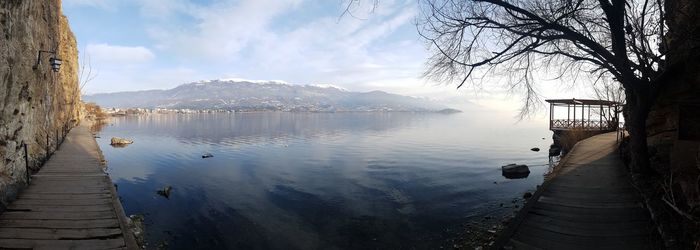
(37, 105)
(674, 121)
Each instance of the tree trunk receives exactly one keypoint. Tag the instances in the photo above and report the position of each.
(638, 104)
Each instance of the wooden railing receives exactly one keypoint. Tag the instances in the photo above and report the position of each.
(564, 124)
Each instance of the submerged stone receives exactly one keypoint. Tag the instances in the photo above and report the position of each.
(165, 192)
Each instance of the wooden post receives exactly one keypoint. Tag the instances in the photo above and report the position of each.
(608, 125)
(583, 119)
(551, 116)
(589, 115)
(47, 145)
(26, 161)
(574, 124)
(601, 117)
(568, 114)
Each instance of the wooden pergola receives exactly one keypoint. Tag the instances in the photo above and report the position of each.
(591, 115)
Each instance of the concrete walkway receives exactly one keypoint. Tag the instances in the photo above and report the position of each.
(70, 203)
(587, 203)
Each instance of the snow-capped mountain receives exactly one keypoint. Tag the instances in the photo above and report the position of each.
(249, 95)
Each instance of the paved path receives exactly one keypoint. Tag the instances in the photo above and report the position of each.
(588, 203)
(70, 203)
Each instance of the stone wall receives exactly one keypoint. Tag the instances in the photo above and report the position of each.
(37, 105)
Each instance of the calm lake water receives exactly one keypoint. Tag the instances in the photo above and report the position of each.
(319, 180)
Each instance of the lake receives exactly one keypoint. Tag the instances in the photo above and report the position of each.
(319, 180)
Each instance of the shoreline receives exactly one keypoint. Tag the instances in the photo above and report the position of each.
(125, 223)
(190, 112)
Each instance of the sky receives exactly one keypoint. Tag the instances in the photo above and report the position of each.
(159, 44)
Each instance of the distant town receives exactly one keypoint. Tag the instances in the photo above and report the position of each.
(142, 111)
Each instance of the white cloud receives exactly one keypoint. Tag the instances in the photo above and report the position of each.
(219, 31)
(102, 4)
(105, 54)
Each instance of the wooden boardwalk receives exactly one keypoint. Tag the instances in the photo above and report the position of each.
(587, 203)
(70, 203)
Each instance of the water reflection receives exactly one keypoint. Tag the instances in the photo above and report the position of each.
(304, 180)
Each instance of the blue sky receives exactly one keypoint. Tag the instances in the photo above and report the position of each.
(159, 44)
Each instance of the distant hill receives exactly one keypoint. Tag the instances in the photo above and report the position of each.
(250, 95)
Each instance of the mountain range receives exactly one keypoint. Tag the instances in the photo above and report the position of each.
(254, 95)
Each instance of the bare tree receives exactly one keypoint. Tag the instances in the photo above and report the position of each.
(619, 40)
(351, 6)
(85, 73)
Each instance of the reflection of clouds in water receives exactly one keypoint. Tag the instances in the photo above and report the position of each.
(310, 180)
(231, 129)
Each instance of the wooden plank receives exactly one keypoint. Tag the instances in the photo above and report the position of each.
(578, 218)
(69, 171)
(59, 234)
(39, 215)
(591, 188)
(591, 229)
(64, 196)
(65, 190)
(41, 175)
(95, 223)
(50, 185)
(81, 202)
(88, 182)
(586, 203)
(58, 208)
(571, 241)
(61, 244)
(70, 203)
(583, 195)
(612, 212)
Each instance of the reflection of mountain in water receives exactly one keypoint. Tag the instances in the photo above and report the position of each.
(248, 128)
(315, 180)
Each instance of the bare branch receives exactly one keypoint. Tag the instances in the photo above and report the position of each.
(475, 39)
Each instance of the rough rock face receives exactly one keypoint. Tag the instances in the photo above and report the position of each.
(673, 124)
(36, 105)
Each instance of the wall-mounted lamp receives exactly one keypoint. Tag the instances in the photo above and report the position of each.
(55, 63)
(54, 60)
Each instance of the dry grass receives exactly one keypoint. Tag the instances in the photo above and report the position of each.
(94, 112)
(571, 137)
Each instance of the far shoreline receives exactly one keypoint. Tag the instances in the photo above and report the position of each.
(142, 111)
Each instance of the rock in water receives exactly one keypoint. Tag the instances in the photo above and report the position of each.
(165, 192)
(207, 155)
(535, 149)
(120, 141)
(515, 171)
(527, 195)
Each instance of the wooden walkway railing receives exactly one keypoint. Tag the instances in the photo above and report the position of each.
(565, 124)
(587, 203)
(70, 204)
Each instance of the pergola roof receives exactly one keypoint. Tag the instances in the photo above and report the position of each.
(575, 101)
